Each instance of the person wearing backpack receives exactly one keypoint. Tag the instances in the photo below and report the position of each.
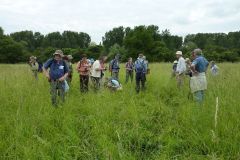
(114, 67)
(34, 66)
(129, 69)
(140, 69)
(57, 74)
(83, 68)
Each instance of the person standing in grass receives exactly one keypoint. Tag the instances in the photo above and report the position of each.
(140, 69)
(174, 68)
(114, 67)
(83, 68)
(97, 71)
(34, 66)
(56, 76)
(198, 82)
(214, 68)
(129, 70)
(70, 67)
(180, 70)
(188, 67)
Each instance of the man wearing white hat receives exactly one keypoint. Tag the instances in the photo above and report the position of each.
(181, 68)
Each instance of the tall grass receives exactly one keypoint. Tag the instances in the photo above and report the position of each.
(160, 123)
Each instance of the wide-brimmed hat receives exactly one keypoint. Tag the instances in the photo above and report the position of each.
(70, 57)
(175, 62)
(179, 53)
(187, 59)
(58, 52)
(33, 57)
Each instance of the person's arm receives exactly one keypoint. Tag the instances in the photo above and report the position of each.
(193, 66)
(78, 65)
(45, 68)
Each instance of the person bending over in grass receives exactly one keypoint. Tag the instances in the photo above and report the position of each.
(113, 84)
(56, 76)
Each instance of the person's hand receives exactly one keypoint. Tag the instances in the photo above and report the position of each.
(195, 73)
(62, 78)
(48, 76)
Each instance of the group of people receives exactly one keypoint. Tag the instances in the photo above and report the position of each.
(59, 71)
(195, 68)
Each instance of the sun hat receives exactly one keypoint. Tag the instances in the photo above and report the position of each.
(179, 53)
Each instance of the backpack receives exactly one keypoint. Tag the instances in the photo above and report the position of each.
(113, 65)
(139, 66)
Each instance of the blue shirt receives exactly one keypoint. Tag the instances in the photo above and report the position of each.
(200, 64)
(115, 83)
(57, 70)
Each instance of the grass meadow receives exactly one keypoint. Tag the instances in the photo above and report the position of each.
(160, 123)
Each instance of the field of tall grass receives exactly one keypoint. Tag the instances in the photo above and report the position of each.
(160, 123)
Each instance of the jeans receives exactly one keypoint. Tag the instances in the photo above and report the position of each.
(199, 96)
(140, 78)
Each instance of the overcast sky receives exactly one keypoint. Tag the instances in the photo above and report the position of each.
(95, 17)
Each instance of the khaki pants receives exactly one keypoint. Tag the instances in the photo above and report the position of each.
(180, 80)
(57, 88)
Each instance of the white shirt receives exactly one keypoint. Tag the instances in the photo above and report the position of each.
(96, 65)
(181, 66)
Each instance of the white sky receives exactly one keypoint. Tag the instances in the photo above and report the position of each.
(95, 17)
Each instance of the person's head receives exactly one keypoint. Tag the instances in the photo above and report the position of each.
(84, 57)
(130, 59)
(70, 57)
(178, 54)
(33, 59)
(196, 52)
(117, 56)
(58, 55)
(187, 60)
(65, 58)
(144, 57)
(140, 55)
(103, 58)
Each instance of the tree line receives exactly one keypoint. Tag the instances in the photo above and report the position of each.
(158, 46)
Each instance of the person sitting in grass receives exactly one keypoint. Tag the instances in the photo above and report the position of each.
(112, 84)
